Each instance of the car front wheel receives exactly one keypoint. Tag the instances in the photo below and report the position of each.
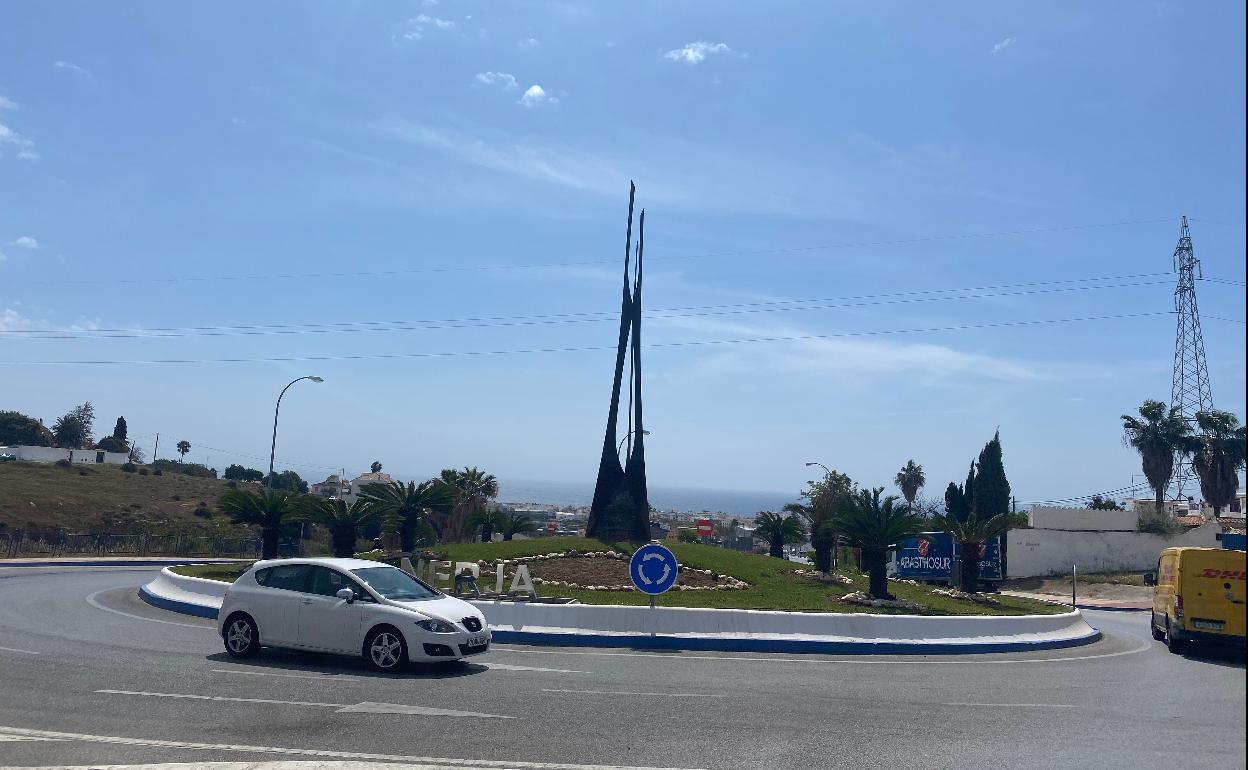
(384, 649)
(242, 638)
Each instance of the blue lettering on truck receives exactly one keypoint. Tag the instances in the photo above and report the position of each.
(933, 559)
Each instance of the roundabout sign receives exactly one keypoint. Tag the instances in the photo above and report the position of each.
(653, 569)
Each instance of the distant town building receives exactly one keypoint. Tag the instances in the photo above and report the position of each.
(47, 454)
(336, 488)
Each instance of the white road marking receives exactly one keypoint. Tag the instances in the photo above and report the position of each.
(329, 677)
(367, 707)
(622, 692)
(932, 660)
(94, 603)
(1017, 705)
(509, 667)
(459, 764)
(15, 738)
(14, 649)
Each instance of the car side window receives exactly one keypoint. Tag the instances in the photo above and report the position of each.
(328, 582)
(289, 577)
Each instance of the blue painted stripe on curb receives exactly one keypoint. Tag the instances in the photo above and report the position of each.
(186, 608)
(1113, 609)
(110, 563)
(782, 645)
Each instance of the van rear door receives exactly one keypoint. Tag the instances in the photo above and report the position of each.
(1213, 590)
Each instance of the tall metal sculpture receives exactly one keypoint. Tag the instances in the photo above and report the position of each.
(1189, 388)
(621, 506)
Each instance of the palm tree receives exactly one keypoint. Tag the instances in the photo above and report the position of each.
(1219, 456)
(971, 534)
(343, 521)
(412, 505)
(516, 524)
(823, 497)
(485, 522)
(877, 527)
(1158, 437)
(779, 531)
(265, 508)
(910, 479)
(184, 446)
(472, 489)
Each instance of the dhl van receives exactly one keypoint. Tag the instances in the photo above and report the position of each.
(1199, 596)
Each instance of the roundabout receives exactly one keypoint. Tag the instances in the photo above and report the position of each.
(94, 675)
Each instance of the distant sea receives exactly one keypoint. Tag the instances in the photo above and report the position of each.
(687, 499)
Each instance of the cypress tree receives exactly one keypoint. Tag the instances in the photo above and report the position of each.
(119, 430)
(992, 489)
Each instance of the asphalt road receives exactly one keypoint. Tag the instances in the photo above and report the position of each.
(90, 675)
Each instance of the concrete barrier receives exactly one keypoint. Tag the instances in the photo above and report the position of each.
(596, 625)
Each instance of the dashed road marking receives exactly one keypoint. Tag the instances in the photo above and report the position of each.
(367, 707)
(1016, 705)
(625, 692)
(436, 762)
(15, 649)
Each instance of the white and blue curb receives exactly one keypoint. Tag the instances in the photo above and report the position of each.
(701, 629)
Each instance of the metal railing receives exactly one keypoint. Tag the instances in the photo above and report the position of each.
(19, 544)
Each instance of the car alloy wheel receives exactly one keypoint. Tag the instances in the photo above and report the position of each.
(241, 637)
(386, 650)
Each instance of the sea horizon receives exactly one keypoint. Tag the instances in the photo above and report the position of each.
(735, 502)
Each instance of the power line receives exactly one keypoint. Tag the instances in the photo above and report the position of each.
(1220, 318)
(544, 265)
(587, 348)
(776, 306)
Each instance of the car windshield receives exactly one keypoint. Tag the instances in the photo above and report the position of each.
(394, 583)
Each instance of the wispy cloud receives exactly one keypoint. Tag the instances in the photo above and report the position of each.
(697, 51)
(417, 26)
(74, 68)
(535, 95)
(528, 44)
(26, 242)
(504, 79)
(24, 147)
(7, 104)
(1004, 44)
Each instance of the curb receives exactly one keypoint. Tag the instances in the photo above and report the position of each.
(175, 605)
(1111, 609)
(113, 563)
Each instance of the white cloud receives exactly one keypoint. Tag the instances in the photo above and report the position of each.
(1004, 44)
(2, 256)
(697, 51)
(536, 95)
(74, 68)
(26, 242)
(7, 104)
(24, 147)
(416, 26)
(528, 44)
(504, 79)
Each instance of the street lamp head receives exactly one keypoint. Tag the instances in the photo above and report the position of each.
(645, 433)
(316, 379)
(810, 464)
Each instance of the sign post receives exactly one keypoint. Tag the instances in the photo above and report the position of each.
(653, 570)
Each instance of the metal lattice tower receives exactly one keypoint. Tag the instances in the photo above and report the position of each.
(1189, 390)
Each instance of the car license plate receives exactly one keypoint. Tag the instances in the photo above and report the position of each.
(478, 641)
(1213, 625)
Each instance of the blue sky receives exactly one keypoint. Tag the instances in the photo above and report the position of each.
(241, 164)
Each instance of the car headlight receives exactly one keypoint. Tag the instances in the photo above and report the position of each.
(433, 625)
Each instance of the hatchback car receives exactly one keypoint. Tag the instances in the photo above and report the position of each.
(350, 607)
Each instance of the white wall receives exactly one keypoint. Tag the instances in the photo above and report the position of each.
(1044, 517)
(44, 454)
(1035, 552)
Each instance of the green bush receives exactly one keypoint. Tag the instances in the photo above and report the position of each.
(143, 471)
(202, 511)
(129, 468)
(1156, 522)
(159, 472)
(63, 463)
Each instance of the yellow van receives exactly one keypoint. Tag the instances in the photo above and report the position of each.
(1199, 596)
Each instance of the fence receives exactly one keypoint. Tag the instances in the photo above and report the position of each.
(16, 544)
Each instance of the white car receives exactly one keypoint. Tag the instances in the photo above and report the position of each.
(351, 607)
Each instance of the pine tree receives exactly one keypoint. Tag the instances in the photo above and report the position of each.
(992, 489)
(119, 430)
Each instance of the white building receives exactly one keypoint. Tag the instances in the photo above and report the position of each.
(337, 488)
(47, 454)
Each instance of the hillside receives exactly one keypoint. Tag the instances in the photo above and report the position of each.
(103, 498)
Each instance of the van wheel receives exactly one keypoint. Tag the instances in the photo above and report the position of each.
(1158, 634)
(1173, 643)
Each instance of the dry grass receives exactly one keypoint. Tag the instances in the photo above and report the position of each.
(103, 498)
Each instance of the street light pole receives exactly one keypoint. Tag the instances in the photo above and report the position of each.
(276, 410)
(836, 540)
(821, 465)
(626, 435)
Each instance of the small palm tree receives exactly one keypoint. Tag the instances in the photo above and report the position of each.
(264, 508)
(1158, 437)
(485, 521)
(971, 534)
(779, 531)
(516, 524)
(910, 479)
(184, 446)
(343, 521)
(877, 526)
(472, 489)
(1218, 457)
(823, 497)
(412, 505)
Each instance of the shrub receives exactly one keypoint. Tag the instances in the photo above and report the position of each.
(143, 471)
(84, 472)
(129, 468)
(232, 484)
(1156, 522)
(159, 472)
(63, 463)
(177, 498)
(202, 511)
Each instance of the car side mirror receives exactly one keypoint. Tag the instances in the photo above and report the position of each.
(1150, 578)
(346, 594)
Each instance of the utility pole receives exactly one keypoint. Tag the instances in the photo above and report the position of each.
(1189, 389)
(156, 449)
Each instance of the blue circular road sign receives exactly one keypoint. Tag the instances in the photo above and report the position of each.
(653, 569)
